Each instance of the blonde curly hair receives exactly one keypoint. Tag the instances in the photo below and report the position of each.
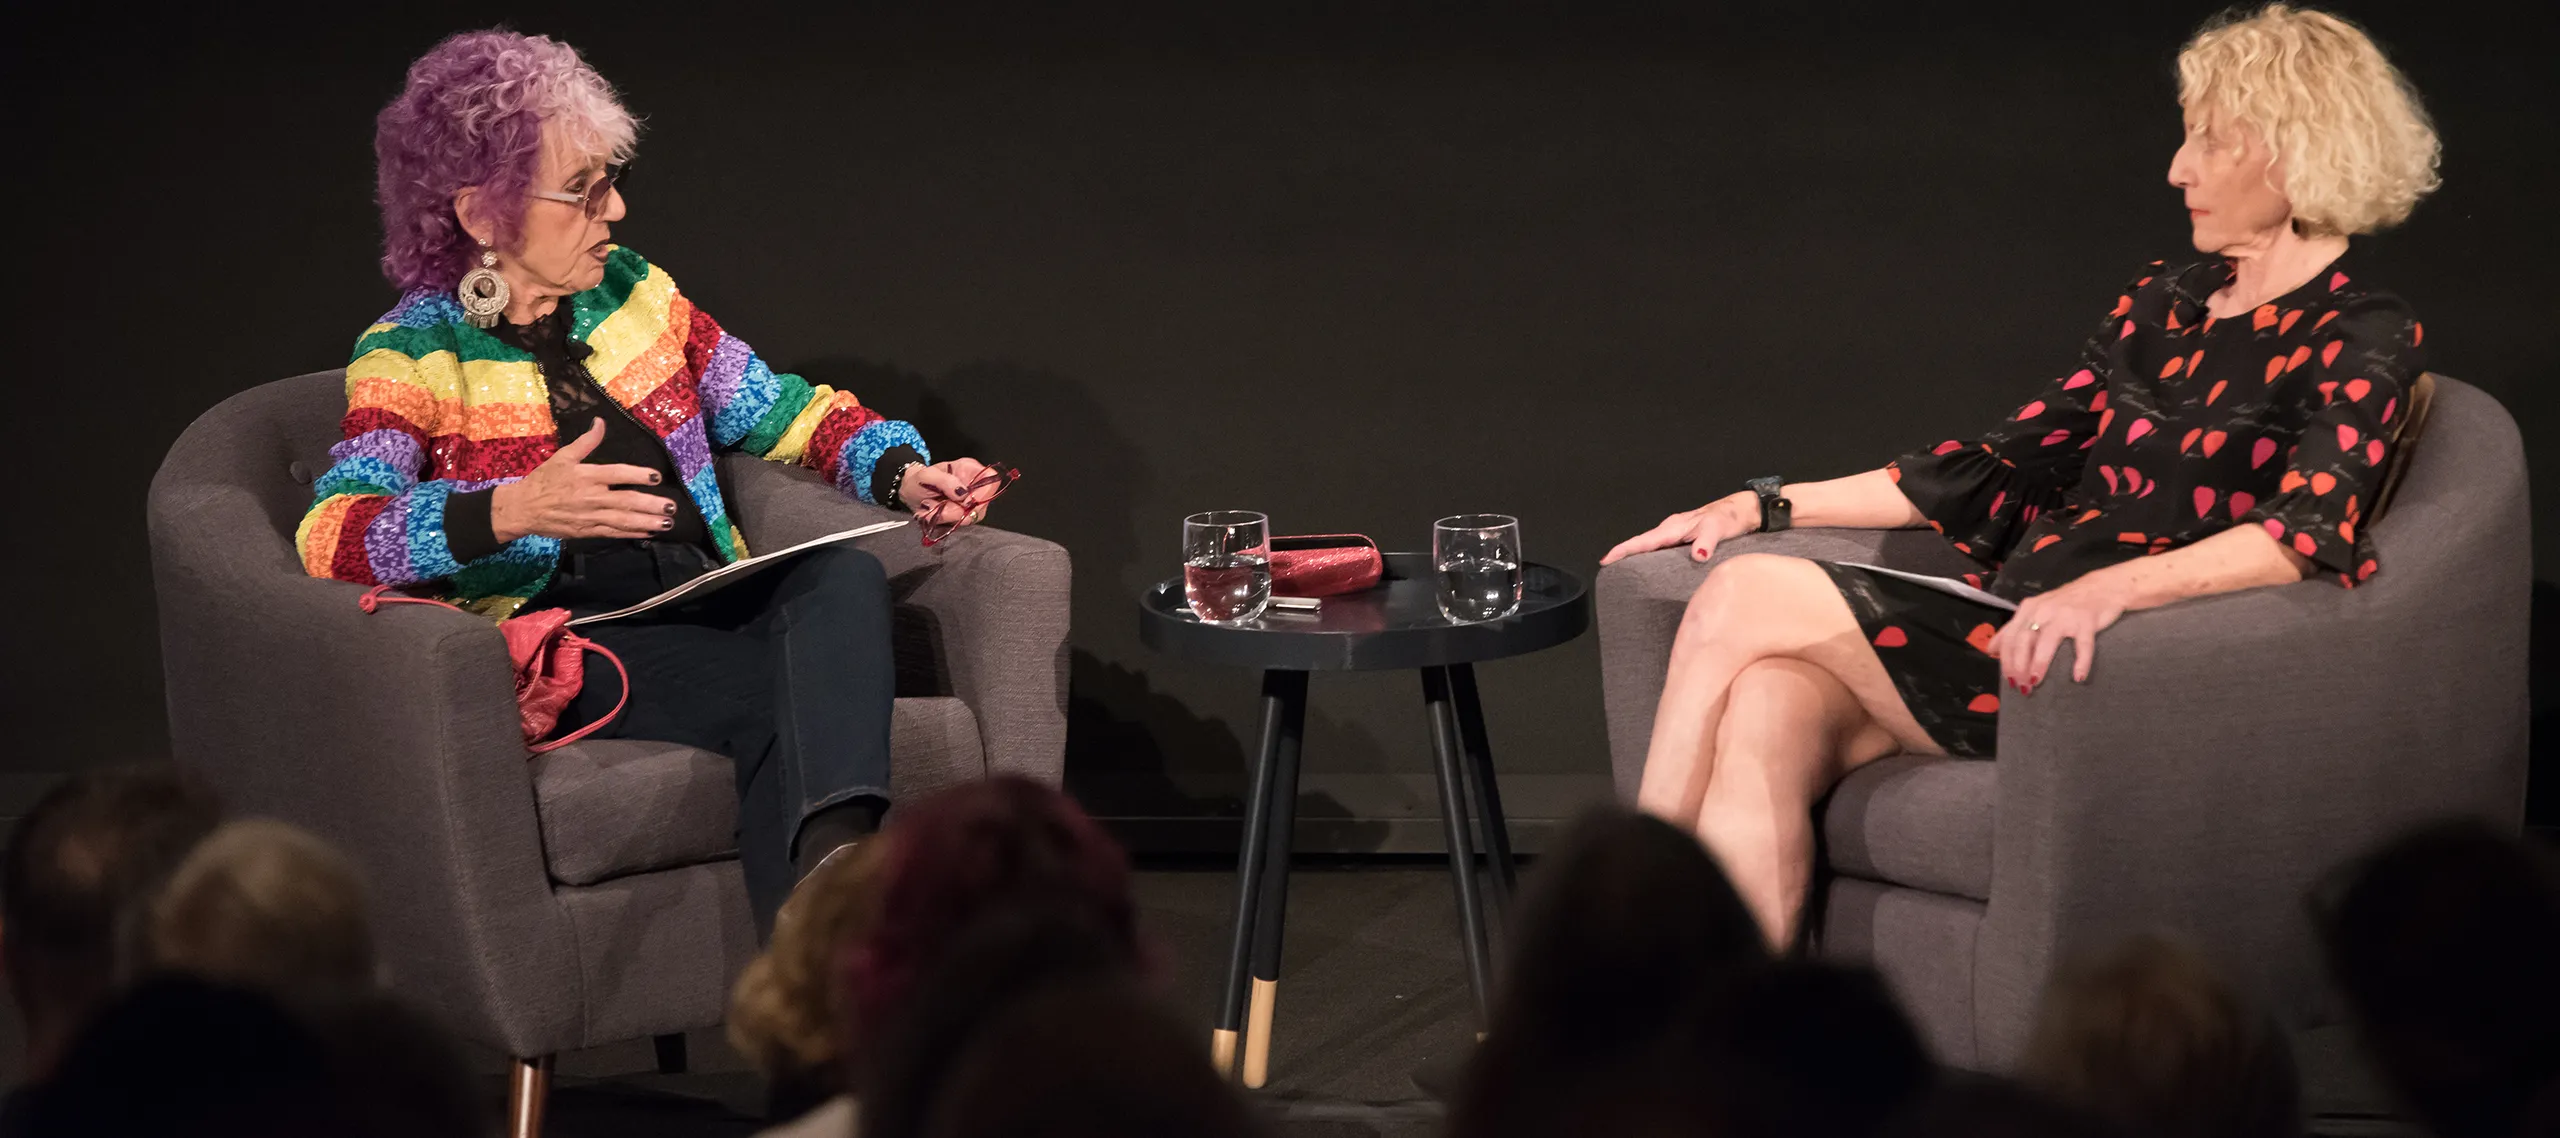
(263, 904)
(784, 1012)
(2351, 139)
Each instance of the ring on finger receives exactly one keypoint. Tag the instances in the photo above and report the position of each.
(2035, 626)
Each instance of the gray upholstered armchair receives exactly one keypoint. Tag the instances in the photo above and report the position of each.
(590, 895)
(2225, 753)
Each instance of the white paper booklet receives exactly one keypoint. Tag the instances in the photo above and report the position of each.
(1947, 585)
(733, 572)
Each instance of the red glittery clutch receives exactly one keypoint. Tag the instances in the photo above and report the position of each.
(1324, 565)
(550, 662)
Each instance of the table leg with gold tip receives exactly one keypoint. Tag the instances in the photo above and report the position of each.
(1257, 1033)
(1278, 843)
(1281, 691)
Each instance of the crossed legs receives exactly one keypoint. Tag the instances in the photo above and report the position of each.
(1772, 696)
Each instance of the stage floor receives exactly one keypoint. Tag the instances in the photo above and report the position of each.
(1372, 986)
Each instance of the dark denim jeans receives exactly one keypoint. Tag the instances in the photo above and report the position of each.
(788, 673)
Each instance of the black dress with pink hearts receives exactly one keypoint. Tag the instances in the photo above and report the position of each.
(2175, 426)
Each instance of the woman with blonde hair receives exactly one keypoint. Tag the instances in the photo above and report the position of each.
(2225, 426)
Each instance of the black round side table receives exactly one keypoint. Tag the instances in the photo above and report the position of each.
(1394, 626)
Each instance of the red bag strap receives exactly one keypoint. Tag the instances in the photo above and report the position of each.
(380, 595)
(573, 640)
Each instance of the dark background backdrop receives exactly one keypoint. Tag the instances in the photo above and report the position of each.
(1357, 265)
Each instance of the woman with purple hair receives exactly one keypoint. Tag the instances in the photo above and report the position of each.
(533, 426)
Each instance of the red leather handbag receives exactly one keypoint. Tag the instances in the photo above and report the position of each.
(1324, 565)
(550, 663)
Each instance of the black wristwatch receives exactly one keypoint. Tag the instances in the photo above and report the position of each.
(1776, 513)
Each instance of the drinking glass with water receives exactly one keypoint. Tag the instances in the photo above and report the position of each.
(1478, 558)
(1226, 565)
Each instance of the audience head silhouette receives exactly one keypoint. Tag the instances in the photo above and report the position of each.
(76, 868)
(2148, 1035)
(1089, 1059)
(784, 1013)
(1622, 926)
(1643, 1002)
(1005, 843)
(1982, 1107)
(1803, 1050)
(262, 904)
(395, 1070)
(2444, 942)
(182, 1055)
(956, 1026)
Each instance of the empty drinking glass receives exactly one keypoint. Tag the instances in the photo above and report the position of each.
(1226, 565)
(1478, 556)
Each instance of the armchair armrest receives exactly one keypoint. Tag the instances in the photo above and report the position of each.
(393, 735)
(981, 616)
(2251, 740)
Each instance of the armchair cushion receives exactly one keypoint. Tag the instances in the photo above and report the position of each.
(1916, 821)
(615, 807)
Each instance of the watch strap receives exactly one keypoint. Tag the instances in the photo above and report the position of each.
(1776, 512)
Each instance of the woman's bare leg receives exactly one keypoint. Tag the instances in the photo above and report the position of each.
(1716, 640)
(1790, 730)
(1752, 608)
(1797, 726)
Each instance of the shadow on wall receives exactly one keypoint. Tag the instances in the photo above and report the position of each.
(1133, 751)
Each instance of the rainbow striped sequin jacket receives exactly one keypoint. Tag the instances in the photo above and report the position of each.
(437, 407)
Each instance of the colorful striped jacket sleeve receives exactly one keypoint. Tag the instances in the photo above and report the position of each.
(435, 408)
(377, 517)
(783, 418)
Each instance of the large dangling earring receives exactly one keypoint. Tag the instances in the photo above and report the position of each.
(483, 292)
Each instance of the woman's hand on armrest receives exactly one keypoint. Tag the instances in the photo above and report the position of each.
(1859, 501)
(1701, 529)
(2242, 557)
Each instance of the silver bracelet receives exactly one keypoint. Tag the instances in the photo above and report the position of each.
(898, 485)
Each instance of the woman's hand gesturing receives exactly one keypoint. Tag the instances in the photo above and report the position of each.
(566, 497)
(2076, 612)
(1702, 529)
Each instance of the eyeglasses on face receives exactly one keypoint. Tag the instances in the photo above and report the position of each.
(598, 192)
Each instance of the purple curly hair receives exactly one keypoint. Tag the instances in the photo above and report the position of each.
(474, 113)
